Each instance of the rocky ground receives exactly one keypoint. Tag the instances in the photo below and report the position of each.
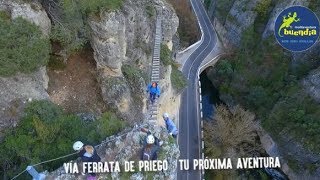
(75, 87)
(128, 148)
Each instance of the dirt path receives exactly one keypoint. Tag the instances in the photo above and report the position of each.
(75, 88)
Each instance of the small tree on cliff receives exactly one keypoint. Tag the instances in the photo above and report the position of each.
(231, 132)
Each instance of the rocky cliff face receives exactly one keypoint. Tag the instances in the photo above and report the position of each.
(128, 148)
(126, 37)
(32, 12)
(16, 90)
(312, 84)
(240, 15)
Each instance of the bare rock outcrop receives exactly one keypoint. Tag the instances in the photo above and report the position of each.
(32, 12)
(241, 16)
(128, 148)
(16, 91)
(312, 84)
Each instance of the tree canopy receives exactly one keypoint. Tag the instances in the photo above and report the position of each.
(23, 48)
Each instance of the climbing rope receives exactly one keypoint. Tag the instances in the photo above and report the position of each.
(61, 157)
(19, 174)
(133, 129)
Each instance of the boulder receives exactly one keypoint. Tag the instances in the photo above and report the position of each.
(31, 11)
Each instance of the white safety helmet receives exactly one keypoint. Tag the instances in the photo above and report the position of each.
(77, 145)
(165, 115)
(150, 139)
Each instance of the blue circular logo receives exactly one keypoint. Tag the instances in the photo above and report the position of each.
(297, 28)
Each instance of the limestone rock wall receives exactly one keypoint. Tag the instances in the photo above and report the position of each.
(126, 36)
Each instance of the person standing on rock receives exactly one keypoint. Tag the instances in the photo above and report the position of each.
(151, 146)
(87, 153)
(154, 91)
(171, 127)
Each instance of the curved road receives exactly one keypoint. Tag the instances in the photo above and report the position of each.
(189, 115)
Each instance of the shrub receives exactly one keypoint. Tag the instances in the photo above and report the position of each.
(222, 9)
(314, 5)
(109, 124)
(178, 81)
(262, 8)
(298, 114)
(151, 12)
(22, 46)
(165, 55)
(229, 130)
(132, 73)
(96, 5)
(56, 63)
(46, 132)
(72, 31)
(231, 134)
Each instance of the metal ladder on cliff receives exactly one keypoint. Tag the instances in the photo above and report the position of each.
(155, 72)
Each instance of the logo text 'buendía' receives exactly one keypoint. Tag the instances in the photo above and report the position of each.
(306, 32)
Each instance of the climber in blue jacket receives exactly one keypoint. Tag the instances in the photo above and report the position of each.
(171, 127)
(154, 91)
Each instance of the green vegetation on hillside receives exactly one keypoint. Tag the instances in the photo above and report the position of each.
(314, 5)
(151, 12)
(72, 30)
(133, 74)
(23, 48)
(222, 9)
(165, 55)
(259, 76)
(262, 8)
(178, 81)
(46, 132)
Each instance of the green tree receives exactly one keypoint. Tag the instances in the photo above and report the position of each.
(72, 30)
(231, 134)
(23, 48)
(46, 132)
(229, 130)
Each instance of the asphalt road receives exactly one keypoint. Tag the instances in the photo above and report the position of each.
(189, 115)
